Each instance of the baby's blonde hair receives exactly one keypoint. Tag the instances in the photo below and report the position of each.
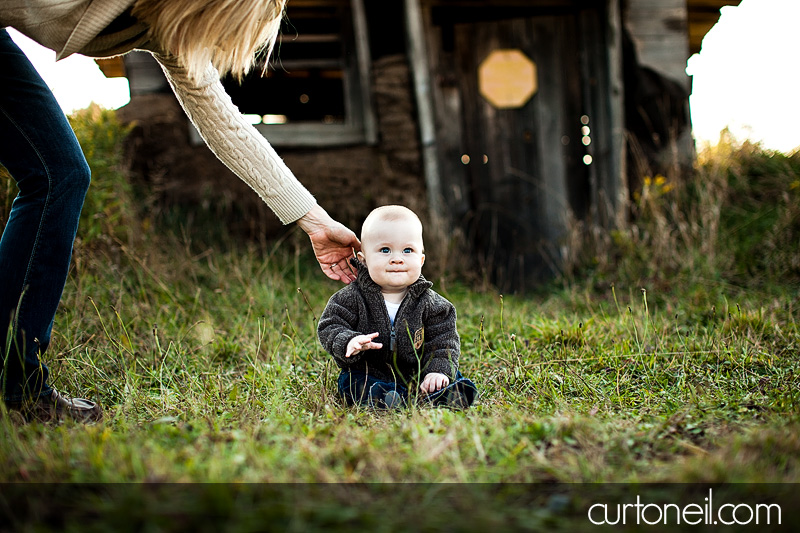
(228, 33)
(389, 213)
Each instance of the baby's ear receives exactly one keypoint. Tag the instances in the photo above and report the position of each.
(361, 257)
(423, 260)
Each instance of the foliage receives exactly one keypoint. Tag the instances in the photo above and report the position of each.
(108, 217)
(8, 191)
(737, 221)
(761, 210)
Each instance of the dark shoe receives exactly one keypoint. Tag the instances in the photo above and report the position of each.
(456, 400)
(461, 395)
(57, 407)
(392, 400)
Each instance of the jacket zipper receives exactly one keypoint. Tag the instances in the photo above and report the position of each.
(392, 333)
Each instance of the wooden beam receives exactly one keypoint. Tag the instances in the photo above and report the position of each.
(703, 14)
(615, 188)
(112, 67)
(365, 71)
(498, 3)
(420, 72)
(714, 5)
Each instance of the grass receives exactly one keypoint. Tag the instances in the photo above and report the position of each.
(205, 358)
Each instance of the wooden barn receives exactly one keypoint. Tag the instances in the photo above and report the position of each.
(501, 122)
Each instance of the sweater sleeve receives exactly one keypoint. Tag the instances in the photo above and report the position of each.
(236, 142)
(337, 326)
(442, 343)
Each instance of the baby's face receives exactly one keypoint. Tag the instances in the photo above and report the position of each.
(392, 251)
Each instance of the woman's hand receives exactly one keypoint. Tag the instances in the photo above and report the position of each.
(332, 242)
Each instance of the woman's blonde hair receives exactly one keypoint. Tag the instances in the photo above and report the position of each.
(228, 33)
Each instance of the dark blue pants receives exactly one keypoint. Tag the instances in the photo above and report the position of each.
(39, 149)
(358, 388)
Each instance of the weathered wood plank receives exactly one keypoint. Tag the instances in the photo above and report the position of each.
(659, 28)
(448, 114)
(364, 67)
(422, 91)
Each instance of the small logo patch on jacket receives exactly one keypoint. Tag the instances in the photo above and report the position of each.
(419, 338)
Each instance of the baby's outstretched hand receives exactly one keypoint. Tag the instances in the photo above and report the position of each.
(433, 382)
(361, 343)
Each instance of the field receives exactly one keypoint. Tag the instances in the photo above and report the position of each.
(666, 356)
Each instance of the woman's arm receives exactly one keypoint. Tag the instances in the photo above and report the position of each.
(250, 156)
(236, 142)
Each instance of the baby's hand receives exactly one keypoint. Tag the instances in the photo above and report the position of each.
(360, 343)
(433, 382)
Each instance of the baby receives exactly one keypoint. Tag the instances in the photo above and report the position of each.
(388, 331)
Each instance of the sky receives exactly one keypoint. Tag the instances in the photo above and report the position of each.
(746, 76)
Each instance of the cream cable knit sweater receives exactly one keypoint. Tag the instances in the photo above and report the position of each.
(236, 143)
(69, 26)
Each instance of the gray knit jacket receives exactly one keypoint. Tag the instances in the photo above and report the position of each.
(423, 339)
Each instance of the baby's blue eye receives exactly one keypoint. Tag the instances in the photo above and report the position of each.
(385, 250)
(408, 251)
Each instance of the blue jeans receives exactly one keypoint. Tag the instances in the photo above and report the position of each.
(358, 388)
(40, 150)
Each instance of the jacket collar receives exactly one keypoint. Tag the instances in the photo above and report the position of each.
(368, 285)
